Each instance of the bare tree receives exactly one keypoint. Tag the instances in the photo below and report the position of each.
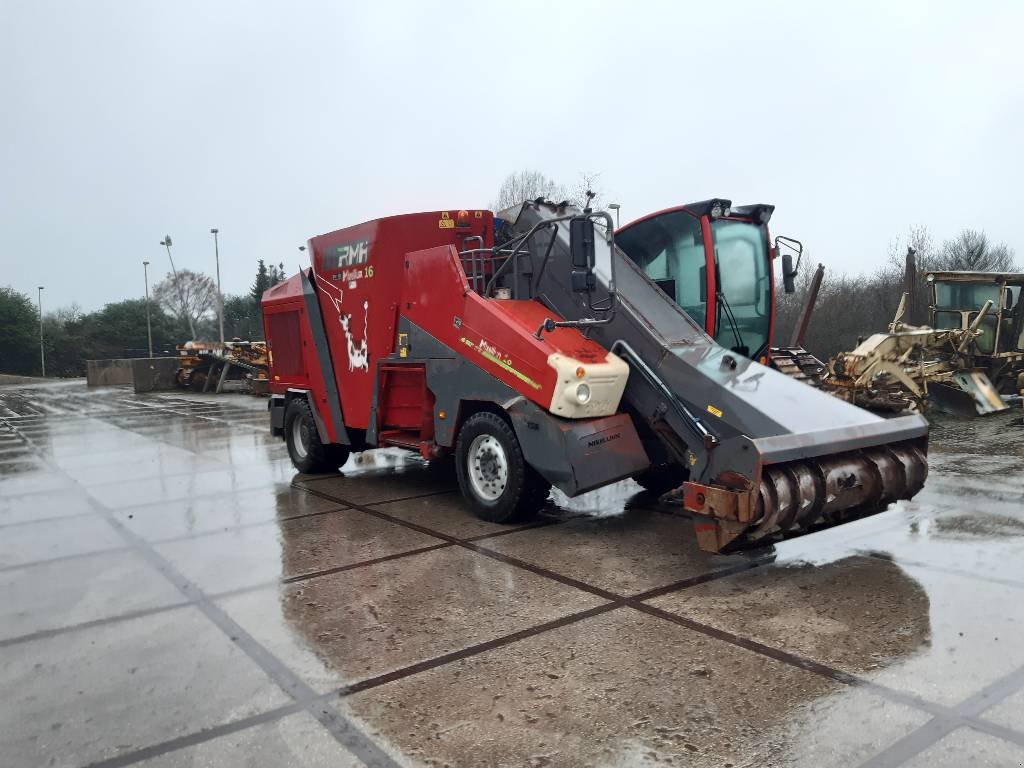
(527, 185)
(530, 185)
(189, 296)
(972, 251)
(72, 313)
(587, 182)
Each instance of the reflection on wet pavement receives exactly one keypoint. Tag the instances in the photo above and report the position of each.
(174, 593)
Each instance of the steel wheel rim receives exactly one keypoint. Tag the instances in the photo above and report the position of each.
(487, 467)
(300, 438)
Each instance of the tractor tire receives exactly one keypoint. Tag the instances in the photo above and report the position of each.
(308, 454)
(658, 479)
(493, 475)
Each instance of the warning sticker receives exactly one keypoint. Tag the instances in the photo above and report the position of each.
(446, 221)
(716, 411)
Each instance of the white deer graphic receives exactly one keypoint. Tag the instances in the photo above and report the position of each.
(358, 357)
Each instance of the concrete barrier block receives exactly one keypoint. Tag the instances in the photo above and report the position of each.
(108, 373)
(153, 374)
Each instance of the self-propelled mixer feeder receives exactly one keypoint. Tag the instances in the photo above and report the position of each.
(540, 355)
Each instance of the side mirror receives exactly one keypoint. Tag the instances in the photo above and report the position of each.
(702, 281)
(788, 273)
(582, 254)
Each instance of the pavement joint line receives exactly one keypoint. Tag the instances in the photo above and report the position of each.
(362, 564)
(994, 729)
(790, 659)
(567, 580)
(344, 731)
(1009, 683)
(198, 737)
(636, 602)
(475, 650)
(65, 558)
(45, 634)
(51, 519)
(217, 596)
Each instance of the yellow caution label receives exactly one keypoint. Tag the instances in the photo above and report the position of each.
(715, 411)
(446, 221)
(479, 214)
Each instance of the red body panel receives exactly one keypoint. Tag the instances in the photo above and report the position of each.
(368, 276)
(496, 335)
(358, 274)
(293, 358)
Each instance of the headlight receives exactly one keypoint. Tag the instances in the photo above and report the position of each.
(716, 211)
(582, 394)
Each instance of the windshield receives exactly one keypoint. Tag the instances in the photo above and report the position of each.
(744, 285)
(670, 251)
(966, 295)
(957, 306)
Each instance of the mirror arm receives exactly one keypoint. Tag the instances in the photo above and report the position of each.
(794, 245)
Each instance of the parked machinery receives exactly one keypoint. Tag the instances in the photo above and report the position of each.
(969, 360)
(206, 366)
(533, 349)
(714, 259)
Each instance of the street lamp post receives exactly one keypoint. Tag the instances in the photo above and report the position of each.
(149, 324)
(615, 207)
(166, 242)
(42, 351)
(220, 296)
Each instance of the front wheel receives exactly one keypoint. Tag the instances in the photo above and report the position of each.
(308, 454)
(493, 475)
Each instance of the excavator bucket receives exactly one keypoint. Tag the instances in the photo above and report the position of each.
(969, 393)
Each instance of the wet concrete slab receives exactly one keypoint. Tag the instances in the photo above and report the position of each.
(627, 553)
(52, 595)
(43, 506)
(296, 741)
(966, 747)
(200, 515)
(445, 512)
(132, 492)
(624, 689)
(80, 697)
(245, 557)
(408, 478)
(46, 540)
(358, 593)
(400, 612)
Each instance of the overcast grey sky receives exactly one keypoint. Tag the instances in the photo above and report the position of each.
(124, 121)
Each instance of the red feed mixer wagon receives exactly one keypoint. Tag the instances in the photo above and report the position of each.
(534, 350)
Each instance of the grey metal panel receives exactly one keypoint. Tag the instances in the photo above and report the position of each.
(578, 456)
(276, 407)
(788, 447)
(573, 455)
(754, 401)
(323, 354)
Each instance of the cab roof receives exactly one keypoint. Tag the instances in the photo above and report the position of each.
(1015, 278)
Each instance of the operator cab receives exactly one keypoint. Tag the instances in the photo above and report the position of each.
(958, 298)
(714, 260)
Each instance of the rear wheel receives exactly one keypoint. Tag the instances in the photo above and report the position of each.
(308, 454)
(493, 475)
